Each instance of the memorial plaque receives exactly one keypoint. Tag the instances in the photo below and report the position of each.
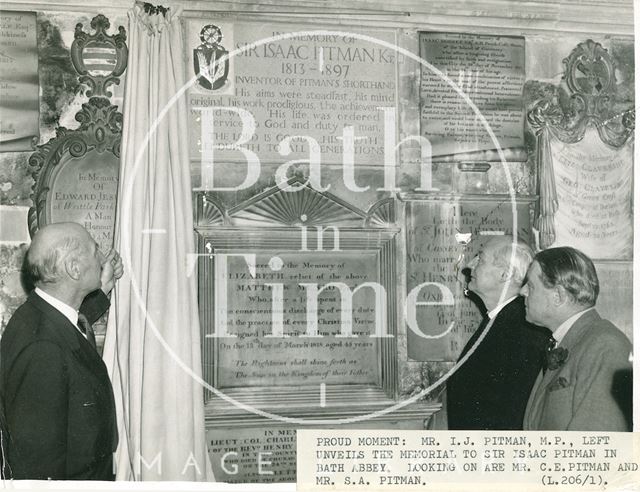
(437, 231)
(310, 86)
(260, 357)
(281, 317)
(19, 103)
(84, 191)
(490, 70)
(594, 188)
(76, 172)
(265, 454)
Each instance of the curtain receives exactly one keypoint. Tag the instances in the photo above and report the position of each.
(152, 347)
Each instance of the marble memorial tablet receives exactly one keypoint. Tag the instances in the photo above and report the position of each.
(310, 85)
(490, 71)
(255, 357)
(83, 190)
(19, 103)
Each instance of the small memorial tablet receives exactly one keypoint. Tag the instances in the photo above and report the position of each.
(490, 71)
(84, 191)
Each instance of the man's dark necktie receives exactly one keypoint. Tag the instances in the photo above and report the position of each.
(552, 343)
(85, 327)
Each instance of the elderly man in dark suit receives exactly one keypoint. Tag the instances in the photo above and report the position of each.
(489, 390)
(57, 397)
(587, 384)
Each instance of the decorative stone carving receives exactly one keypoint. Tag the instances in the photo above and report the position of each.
(285, 207)
(76, 172)
(99, 58)
(292, 206)
(381, 214)
(273, 221)
(590, 101)
(590, 78)
(208, 211)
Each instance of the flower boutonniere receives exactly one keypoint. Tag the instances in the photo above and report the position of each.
(559, 384)
(556, 357)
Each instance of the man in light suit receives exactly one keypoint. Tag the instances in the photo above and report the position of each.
(57, 397)
(489, 390)
(578, 390)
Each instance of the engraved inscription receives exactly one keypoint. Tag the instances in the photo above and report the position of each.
(490, 70)
(255, 357)
(306, 86)
(84, 191)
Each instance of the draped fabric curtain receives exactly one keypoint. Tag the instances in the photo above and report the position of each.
(152, 348)
(548, 203)
(591, 146)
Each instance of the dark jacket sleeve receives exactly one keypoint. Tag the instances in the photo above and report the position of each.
(37, 414)
(95, 305)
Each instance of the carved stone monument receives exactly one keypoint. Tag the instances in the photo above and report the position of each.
(299, 319)
(585, 158)
(76, 173)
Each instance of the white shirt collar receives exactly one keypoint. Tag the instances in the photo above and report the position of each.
(66, 310)
(564, 328)
(494, 312)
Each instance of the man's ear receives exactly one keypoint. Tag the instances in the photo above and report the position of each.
(560, 295)
(509, 274)
(72, 267)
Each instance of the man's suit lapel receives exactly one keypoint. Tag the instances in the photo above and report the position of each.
(498, 330)
(67, 334)
(479, 331)
(572, 337)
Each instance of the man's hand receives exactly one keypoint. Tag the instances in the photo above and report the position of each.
(112, 270)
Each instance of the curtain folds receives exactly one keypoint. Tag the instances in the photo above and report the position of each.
(548, 203)
(152, 348)
(553, 128)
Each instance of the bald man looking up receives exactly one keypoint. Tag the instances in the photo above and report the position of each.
(489, 391)
(57, 396)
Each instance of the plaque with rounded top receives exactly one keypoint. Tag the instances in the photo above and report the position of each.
(76, 172)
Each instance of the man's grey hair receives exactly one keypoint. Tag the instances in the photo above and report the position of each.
(517, 257)
(47, 266)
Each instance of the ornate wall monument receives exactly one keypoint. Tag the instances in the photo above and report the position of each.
(298, 299)
(76, 173)
(584, 130)
(585, 158)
